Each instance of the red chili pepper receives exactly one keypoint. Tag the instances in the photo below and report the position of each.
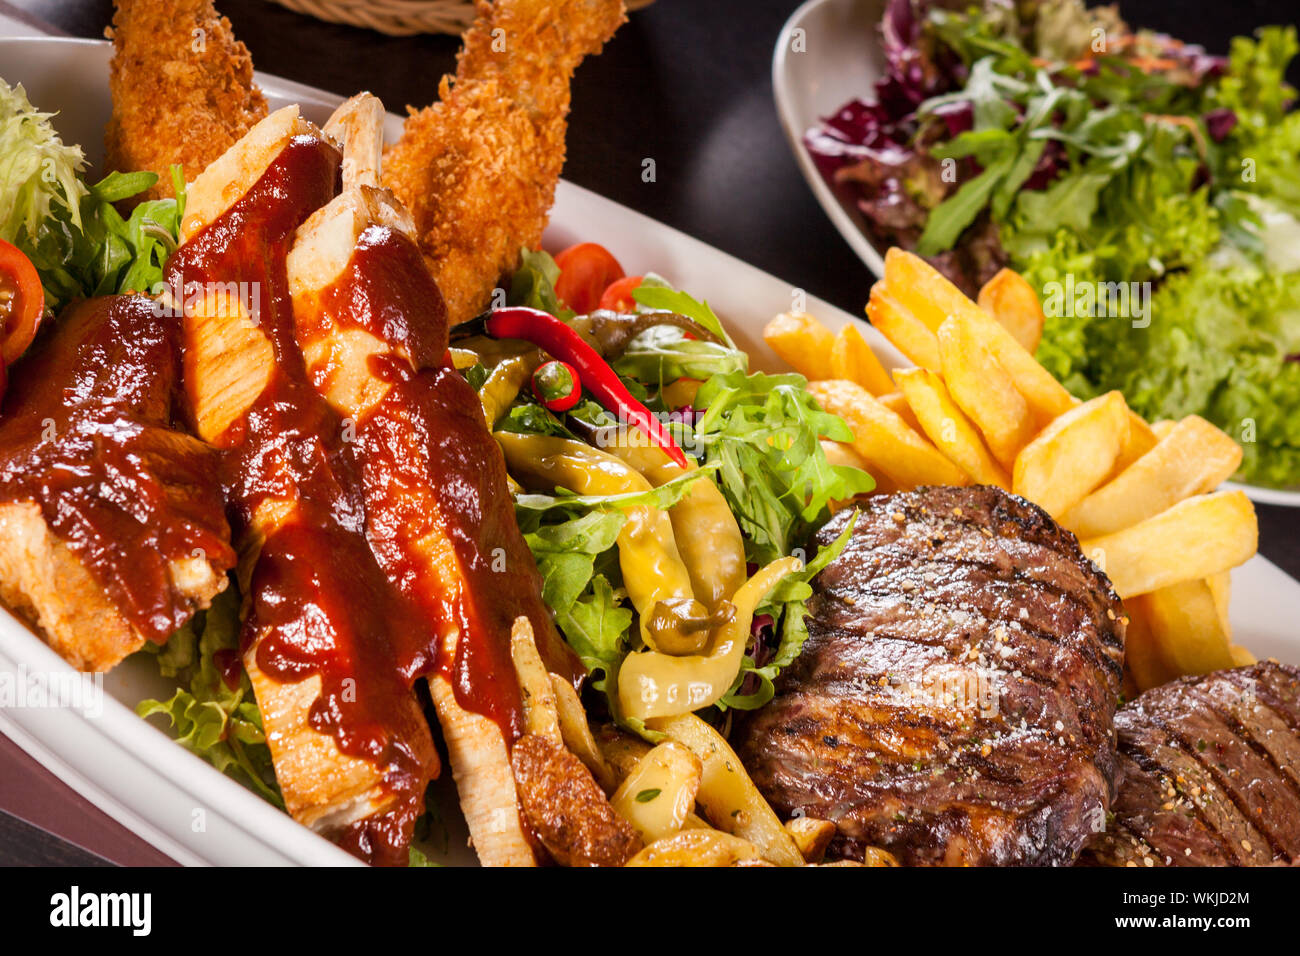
(560, 340)
(557, 385)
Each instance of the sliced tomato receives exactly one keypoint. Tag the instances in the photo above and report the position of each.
(22, 301)
(586, 270)
(618, 297)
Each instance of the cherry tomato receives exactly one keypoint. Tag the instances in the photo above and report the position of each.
(22, 301)
(557, 385)
(618, 297)
(586, 270)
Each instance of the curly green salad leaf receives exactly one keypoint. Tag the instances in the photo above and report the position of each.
(1184, 186)
(78, 242)
(757, 436)
(218, 722)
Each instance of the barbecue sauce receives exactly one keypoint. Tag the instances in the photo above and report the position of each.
(319, 603)
(87, 434)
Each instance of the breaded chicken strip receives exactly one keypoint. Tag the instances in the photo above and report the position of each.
(478, 169)
(182, 89)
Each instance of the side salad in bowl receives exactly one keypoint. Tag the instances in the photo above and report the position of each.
(1144, 188)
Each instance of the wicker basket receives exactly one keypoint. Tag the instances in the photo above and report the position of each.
(401, 18)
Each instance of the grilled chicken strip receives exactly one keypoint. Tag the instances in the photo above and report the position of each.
(1208, 773)
(112, 527)
(478, 169)
(954, 699)
(331, 648)
(182, 88)
(371, 326)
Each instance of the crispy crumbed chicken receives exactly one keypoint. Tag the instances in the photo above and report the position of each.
(478, 169)
(182, 87)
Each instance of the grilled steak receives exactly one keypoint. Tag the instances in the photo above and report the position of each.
(1208, 772)
(953, 703)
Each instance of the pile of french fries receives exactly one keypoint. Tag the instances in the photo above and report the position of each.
(978, 408)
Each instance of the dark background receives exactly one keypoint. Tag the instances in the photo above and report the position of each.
(686, 82)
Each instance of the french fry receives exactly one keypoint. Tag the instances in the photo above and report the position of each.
(659, 794)
(884, 439)
(908, 334)
(1073, 455)
(1184, 624)
(922, 289)
(853, 359)
(984, 391)
(945, 425)
(1014, 303)
(1196, 538)
(1046, 397)
(802, 342)
(1221, 587)
(1142, 655)
(1241, 657)
(842, 453)
(897, 403)
(1162, 428)
(698, 848)
(1192, 458)
(728, 797)
(1141, 439)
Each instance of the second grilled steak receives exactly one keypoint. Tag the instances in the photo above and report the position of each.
(954, 700)
(1209, 772)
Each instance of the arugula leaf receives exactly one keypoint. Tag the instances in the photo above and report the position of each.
(763, 433)
(656, 294)
(533, 284)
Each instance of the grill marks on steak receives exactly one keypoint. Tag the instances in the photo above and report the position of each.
(953, 702)
(1209, 772)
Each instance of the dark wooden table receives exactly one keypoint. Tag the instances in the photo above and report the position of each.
(686, 83)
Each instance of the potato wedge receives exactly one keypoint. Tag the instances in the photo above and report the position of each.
(812, 837)
(1184, 624)
(922, 289)
(985, 392)
(659, 794)
(905, 331)
(1196, 538)
(853, 359)
(698, 848)
(884, 439)
(945, 425)
(728, 797)
(1073, 455)
(802, 342)
(1014, 303)
(1193, 458)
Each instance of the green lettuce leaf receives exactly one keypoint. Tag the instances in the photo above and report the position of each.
(218, 722)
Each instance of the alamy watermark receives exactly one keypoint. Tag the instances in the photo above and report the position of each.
(26, 689)
(1111, 300)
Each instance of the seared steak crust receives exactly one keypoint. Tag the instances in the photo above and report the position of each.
(953, 703)
(1209, 772)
